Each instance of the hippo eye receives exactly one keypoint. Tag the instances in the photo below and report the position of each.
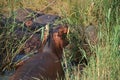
(64, 36)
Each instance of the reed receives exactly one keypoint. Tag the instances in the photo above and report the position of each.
(104, 14)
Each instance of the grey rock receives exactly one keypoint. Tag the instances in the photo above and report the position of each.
(91, 34)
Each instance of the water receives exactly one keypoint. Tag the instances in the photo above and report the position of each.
(6, 75)
(2, 77)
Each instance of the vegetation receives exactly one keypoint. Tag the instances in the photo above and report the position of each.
(104, 63)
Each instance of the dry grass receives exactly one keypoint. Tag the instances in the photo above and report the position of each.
(102, 13)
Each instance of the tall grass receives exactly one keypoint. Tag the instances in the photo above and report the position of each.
(104, 14)
(10, 46)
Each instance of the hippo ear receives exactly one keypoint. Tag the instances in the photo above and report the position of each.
(28, 23)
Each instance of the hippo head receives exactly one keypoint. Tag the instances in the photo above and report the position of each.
(60, 35)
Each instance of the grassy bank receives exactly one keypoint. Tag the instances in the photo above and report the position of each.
(104, 14)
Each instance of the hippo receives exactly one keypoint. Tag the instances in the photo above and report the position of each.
(46, 65)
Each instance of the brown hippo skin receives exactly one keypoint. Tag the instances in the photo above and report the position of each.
(45, 65)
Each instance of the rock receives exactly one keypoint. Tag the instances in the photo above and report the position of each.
(24, 14)
(91, 34)
(33, 41)
(46, 19)
(43, 20)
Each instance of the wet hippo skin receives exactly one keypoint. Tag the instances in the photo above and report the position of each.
(45, 64)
